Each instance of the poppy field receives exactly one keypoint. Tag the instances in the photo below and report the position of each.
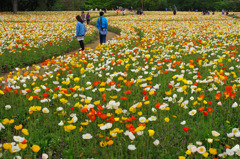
(166, 87)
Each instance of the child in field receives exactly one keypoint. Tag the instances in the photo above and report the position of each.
(80, 31)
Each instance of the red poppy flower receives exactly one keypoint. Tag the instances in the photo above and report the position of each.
(56, 88)
(123, 98)
(144, 92)
(45, 95)
(141, 124)
(166, 71)
(201, 108)
(100, 107)
(99, 113)
(92, 117)
(84, 110)
(133, 118)
(185, 128)
(104, 99)
(128, 92)
(209, 109)
(158, 105)
(111, 83)
(210, 102)
(205, 113)
(72, 108)
(66, 92)
(195, 83)
(95, 83)
(72, 89)
(103, 116)
(24, 141)
(228, 88)
(104, 94)
(146, 97)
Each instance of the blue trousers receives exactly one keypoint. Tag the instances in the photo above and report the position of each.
(102, 39)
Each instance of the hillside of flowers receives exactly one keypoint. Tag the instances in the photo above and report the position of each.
(29, 37)
(167, 87)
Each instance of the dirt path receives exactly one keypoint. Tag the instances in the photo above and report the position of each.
(95, 43)
(92, 45)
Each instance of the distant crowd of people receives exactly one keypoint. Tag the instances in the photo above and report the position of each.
(207, 12)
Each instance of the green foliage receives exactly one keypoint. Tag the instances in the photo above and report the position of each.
(57, 5)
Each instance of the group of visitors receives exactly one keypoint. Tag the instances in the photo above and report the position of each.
(81, 28)
(139, 12)
(87, 17)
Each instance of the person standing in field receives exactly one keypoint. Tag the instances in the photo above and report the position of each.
(80, 31)
(175, 11)
(102, 25)
(88, 18)
(83, 16)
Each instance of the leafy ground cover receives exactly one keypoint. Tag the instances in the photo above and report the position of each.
(168, 85)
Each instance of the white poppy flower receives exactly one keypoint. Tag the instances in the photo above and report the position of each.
(7, 107)
(229, 152)
(230, 135)
(44, 156)
(183, 122)
(152, 118)
(139, 133)
(126, 132)
(132, 147)
(45, 110)
(59, 109)
(238, 152)
(61, 123)
(108, 125)
(131, 136)
(235, 105)
(156, 142)
(18, 138)
(142, 119)
(192, 112)
(1, 126)
(192, 148)
(201, 149)
(210, 140)
(235, 148)
(215, 133)
(235, 130)
(15, 148)
(87, 136)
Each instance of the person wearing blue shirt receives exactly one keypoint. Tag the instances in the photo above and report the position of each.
(102, 25)
(80, 31)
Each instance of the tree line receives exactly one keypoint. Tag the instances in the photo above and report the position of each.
(70, 5)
